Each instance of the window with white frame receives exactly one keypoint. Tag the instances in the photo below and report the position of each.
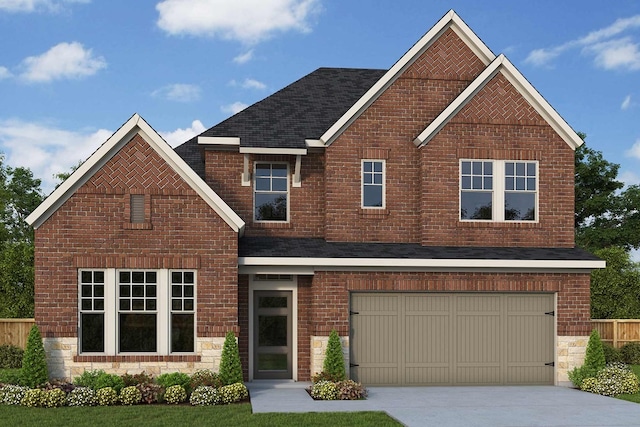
(271, 191)
(498, 190)
(373, 191)
(137, 311)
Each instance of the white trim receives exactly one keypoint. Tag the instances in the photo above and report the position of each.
(299, 270)
(296, 180)
(286, 285)
(314, 143)
(450, 20)
(135, 125)
(263, 150)
(502, 65)
(245, 177)
(218, 140)
(383, 263)
(384, 185)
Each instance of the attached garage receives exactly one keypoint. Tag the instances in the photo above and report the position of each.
(452, 338)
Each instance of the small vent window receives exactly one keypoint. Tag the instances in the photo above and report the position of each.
(137, 208)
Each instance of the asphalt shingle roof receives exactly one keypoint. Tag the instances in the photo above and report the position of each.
(303, 110)
(320, 248)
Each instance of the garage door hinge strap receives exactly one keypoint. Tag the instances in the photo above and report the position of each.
(551, 313)
(550, 364)
(353, 365)
(351, 313)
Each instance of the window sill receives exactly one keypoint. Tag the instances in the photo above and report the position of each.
(138, 358)
(373, 213)
(137, 226)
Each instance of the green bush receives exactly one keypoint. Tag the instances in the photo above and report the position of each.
(594, 359)
(334, 359)
(204, 396)
(205, 377)
(175, 394)
(33, 398)
(82, 396)
(611, 353)
(230, 366)
(10, 376)
(631, 353)
(174, 378)
(12, 394)
(34, 362)
(232, 393)
(135, 379)
(89, 378)
(106, 396)
(613, 380)
(11, 357)
(97, 379)
(54, 398)
(130, 395)
(351, 390)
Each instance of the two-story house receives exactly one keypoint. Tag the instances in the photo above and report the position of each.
(425, 212)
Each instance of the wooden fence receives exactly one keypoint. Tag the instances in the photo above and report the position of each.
(617, 332)
(15, 331)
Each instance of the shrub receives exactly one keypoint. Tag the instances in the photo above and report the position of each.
(135, 379)
(325, 376)
(175, 394)
(324, 390)
(150, 393)
(631, 353)
(34, 362)
(10, 376)
(205, 377)
(12, 394)
(611, 353)
(33, 398)
(230, 367)
(11, 357)
(334, 359)
(204, 396)
(174, 378)
(130, 395)
(88, 378)
(594, 359)
(351, 390)
(82, 396)
(233, 393)
(97, 379)
(54, 398)
(106, 396)
(613, 380)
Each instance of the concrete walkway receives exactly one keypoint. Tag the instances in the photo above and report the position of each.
(546, 406)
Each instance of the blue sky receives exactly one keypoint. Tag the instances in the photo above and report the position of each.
(73, 71)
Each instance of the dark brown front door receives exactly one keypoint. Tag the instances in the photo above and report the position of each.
(272, 342)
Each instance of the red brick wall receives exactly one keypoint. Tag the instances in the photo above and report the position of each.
(330, 301)
(91, 230)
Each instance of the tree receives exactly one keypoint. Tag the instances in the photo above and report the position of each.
(34, 363)
(334, 359)
(230, 366)
(606, 213)
(615, 290)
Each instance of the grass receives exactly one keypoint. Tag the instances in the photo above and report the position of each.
(165, 415)
(632, 397)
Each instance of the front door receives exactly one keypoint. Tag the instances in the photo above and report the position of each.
(272, 338)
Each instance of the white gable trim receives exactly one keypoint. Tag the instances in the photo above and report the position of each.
(502, 65)
(218, 140)
(135, 125)
(450, 20)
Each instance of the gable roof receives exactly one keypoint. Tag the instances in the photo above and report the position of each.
(502, 65)
(449, 21)
(135, 125)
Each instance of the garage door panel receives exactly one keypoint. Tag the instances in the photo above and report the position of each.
(478, 375)
(478, 339)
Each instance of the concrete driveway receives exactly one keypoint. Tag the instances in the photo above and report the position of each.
(462, 406)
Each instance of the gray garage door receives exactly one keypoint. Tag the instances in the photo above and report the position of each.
(452, 339)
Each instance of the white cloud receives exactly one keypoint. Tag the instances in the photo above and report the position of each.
(243, 58)
(609, 52)
(234, 108)
(626, 103)
(35, 5)
(247, 21)
(63, 61)
(46, 149)
(249, 84)
(5, 73)
(629, 178)
(179, 92)
(178, 136)
(634, 151)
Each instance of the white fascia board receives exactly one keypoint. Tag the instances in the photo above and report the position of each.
(108, 149)
(314, 143)
(384, 263)
(502, 65)
(263, 150)
(298, 270)
(449, 20)
(218, 140)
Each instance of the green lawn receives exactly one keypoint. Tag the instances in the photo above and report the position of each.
(632, 397)
(165, 415)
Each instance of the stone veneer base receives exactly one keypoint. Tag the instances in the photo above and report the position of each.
(570, 352)
(319, 349)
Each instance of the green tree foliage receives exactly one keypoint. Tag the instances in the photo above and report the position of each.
(615, 290)
(34, 362)
(334, 359)
(594, 359)
(230, 366)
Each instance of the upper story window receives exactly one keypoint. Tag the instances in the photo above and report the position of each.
(271, 192)
(498, 190)
(373, 191)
